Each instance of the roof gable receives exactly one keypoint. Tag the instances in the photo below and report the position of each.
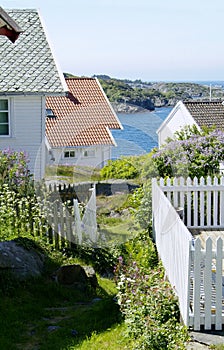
(28, 66)
(83, 117)
(210, 113)
(8, 26)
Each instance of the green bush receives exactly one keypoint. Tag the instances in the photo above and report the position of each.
(147, 302)
(119, 169)
(14, 171)
(19, 215)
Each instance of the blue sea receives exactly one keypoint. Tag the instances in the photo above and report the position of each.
(139, 132)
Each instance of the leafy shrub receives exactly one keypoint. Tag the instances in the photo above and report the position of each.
(14, 171)
(119, 169)
(191, 153)
(18, 215)
(146, 299)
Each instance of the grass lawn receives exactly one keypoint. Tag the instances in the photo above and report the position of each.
(40, 314)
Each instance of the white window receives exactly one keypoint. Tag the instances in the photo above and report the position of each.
(89, 153)
(4, 118)
(69, 154)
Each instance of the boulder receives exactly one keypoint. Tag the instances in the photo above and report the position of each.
(77, 276)
(20, 261)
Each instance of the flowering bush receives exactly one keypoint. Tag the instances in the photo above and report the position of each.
(147, 301)
(192, 154)
(19, 216)
(14, 170)
(20, 212)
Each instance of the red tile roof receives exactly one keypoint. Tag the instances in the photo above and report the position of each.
(210, 113)
(83, 117)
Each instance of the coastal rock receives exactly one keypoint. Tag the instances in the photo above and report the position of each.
(77, 276)
(121, 107)
(20, 261)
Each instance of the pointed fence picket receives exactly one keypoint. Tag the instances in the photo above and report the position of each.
(196, 272)
(60, 223)
(206, 285)
(202, 200)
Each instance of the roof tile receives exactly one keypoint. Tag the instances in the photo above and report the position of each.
(83, 117)
(210, 113)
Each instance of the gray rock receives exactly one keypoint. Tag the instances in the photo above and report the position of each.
(74, 332)
(53, 328)
(77, 276)
(20, 261)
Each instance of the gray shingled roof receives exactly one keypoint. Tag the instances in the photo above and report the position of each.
(210, 113)
(28, 66)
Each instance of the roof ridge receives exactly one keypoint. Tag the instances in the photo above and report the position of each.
(203, 102)
(80, 78)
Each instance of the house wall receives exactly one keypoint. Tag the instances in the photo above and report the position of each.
(55, 156)
(177, 119)
(27, 129)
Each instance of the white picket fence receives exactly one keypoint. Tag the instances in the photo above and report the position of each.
(63, 225)
(195, 272)
(202, 201)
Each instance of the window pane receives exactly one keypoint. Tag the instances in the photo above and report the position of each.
(66, 154)
(72, 153)
(4, 105)
(4, 129)
(3, 117)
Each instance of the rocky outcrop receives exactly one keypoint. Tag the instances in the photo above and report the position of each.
(76, 276)
(19, 261)
(120, 107)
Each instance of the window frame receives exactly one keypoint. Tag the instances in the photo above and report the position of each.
(6, 111)
(87, 155)
(69, 154)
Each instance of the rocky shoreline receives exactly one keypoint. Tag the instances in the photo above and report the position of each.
(128, 108)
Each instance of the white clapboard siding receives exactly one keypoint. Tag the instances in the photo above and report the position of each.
(202, 200)
(27, 130)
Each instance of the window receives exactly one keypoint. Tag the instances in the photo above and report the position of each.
(69, 154)
(4, 117)
(50, 113)
(89, 153)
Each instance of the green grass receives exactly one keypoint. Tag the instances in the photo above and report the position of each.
(29, 308)
(112, 339)
(72, 174)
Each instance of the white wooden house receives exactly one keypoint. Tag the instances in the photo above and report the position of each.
(28, 73)
(78, 125)
(207, 113)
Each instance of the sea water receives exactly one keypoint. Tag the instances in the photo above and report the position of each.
(139, 132)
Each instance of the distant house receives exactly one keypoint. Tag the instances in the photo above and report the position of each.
(28, 73)
(210, 113)
(78, 125)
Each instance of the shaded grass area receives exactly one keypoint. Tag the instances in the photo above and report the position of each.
(72, 174)
(115, 220)
(41, 314)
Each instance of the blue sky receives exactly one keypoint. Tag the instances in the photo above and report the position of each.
(138, 39)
